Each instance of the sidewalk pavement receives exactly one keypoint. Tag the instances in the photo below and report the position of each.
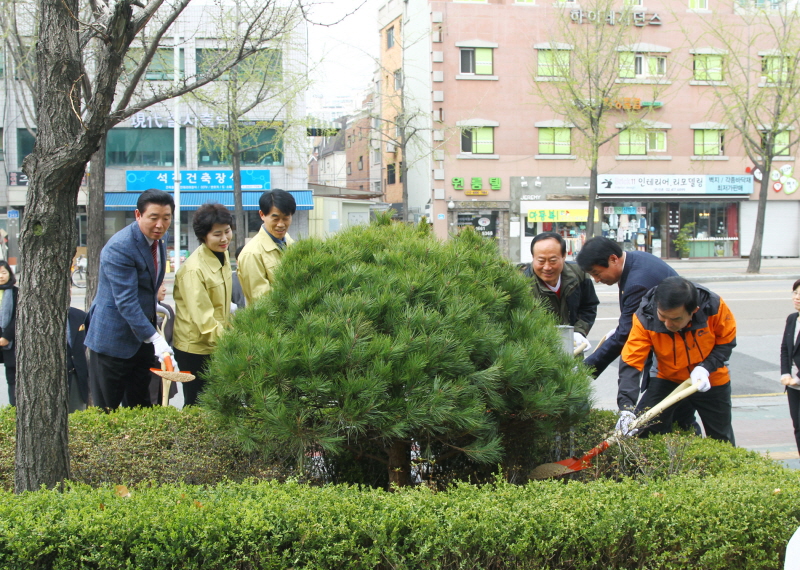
(735, 269)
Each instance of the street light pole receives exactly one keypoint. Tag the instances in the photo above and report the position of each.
(177, 155)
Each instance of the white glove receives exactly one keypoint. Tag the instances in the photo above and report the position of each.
(700, 379)
(580, 339)
(160, 346)
(624, 422)
(234, 306)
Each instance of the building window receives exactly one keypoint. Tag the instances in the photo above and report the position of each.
(390, 38)
(781, 144)
(2, 154)
(266, 64)
(398, 79)
(698, 4)
(361, 163)
(631, 3)
(638, 142)
(25, 142)
(639, 65)
(707, 67)
(143, 147)
(555, 140)
(349, 168)
(260, 147)
(161, 67)
(376, 156)
(775, 68)
(553, 63)
(709, 142)
(477, 61)
(477, 140)
(390, 174)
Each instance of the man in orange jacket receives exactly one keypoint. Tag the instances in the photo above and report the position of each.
(692, 333)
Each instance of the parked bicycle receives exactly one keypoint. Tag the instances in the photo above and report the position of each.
(79, 265)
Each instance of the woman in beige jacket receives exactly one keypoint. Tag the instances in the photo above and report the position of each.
(202, 295)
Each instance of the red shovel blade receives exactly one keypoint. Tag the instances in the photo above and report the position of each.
(566, 466)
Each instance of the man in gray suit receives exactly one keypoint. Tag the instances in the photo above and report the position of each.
(122, 338)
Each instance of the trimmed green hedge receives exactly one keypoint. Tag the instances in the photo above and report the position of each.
(166, 445)
(128, 446)
(739, 516)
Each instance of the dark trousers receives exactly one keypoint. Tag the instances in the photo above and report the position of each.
(713, 406)
(794, 411)
(113, 380)
(196, 364)
(11, 380)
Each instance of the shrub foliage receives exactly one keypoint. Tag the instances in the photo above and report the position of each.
(739, 515)
(384, 343)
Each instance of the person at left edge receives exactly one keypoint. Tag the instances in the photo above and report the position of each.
(121, 325)
(566, 290)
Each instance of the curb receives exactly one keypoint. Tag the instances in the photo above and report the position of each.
(740, 277)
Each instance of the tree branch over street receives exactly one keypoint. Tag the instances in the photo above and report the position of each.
(590, 74)
(756, 87)
(79, 63)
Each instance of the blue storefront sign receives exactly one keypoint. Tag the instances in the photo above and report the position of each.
(740, 184)
(195, 180)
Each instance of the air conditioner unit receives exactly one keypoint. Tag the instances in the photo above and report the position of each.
(391, 147)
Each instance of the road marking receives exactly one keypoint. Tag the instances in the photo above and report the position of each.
(781, 454)
(757, 395)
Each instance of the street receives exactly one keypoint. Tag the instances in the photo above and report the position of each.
(761, 415)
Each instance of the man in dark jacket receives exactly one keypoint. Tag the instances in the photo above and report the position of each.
(635, 273)
(564, 288)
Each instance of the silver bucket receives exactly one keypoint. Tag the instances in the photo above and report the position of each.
(567, 338)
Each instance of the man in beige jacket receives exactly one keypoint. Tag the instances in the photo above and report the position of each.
(262, 254)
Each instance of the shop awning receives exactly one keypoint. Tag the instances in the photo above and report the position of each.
(561, 215)
(116, 201)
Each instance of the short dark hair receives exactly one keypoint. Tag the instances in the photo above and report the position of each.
(674, 292)
(796, 285)
(207, 215)
(153, 196)
(281, 199)
(239, 251)
(11, 279)
(550, 235)
(596, 251)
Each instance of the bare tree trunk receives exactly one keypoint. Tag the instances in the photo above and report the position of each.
(95, 210)
(590, 229)
(55, 171)
(399, 463)
(754, 262)
(238, 207)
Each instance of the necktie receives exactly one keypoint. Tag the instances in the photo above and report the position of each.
(154, 251)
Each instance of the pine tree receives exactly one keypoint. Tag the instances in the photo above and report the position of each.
(383, 337)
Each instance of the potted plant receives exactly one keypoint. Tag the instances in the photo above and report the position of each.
(681, 241)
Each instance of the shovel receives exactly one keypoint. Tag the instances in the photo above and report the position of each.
(168, 375)
(571, 465)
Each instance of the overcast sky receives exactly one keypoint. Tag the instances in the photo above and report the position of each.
(346, 50)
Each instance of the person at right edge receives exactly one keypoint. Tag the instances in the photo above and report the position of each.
(635, 273)
(790, 353)
(692, 333)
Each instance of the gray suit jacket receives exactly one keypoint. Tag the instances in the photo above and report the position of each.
(123, 312)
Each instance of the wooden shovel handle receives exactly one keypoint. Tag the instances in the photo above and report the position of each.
(683, 391)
